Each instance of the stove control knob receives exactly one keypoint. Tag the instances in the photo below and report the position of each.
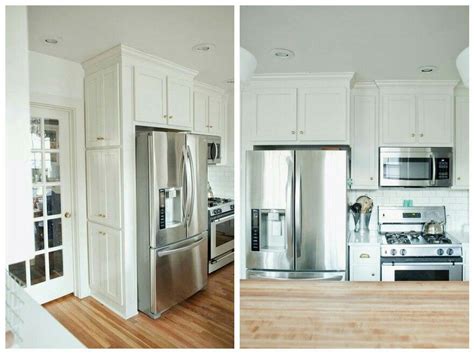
(450, 251)
(393, 251)
(232, 207)
(403, 251)
(440, 251)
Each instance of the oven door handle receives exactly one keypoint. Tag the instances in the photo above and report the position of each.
(385, 264)
(224, 219)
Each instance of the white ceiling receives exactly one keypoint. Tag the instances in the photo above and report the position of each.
(376, 42)
(166, 31)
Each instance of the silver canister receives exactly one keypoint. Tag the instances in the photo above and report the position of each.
(365, 221)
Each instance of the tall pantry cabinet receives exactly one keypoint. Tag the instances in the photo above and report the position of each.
(124, 88)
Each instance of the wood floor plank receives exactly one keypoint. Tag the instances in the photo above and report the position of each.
(206, 320)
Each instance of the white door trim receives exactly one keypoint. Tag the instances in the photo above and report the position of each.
(78, 184)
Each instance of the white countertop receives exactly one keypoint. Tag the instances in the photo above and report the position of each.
(461, 236)
(370, 237)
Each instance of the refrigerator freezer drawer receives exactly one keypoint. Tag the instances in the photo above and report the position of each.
(177, 272)
(282, 275)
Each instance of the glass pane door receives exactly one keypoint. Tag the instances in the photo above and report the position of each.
(50, 180)
(408, 168)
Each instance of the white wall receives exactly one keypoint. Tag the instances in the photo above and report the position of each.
(221, 177)
(60, 83)
(19, 208)
(54, 76)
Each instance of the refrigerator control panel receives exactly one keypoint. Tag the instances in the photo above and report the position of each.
(162, 208)
(255, 230)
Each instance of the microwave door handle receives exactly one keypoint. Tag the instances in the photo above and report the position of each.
(433, 167)
(214, 149)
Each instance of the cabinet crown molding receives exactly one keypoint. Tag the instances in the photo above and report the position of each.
(206, 87)
(416, 83)
(304, 76)
(122, 50)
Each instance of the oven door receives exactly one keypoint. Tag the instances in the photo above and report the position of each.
(222, 235)
(421, 271)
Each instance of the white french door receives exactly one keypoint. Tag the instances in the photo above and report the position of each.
(49, 274)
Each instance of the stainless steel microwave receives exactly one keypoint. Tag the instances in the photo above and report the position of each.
(415, 167)
(214, 151)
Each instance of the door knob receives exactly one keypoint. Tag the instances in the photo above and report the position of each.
(67, 214)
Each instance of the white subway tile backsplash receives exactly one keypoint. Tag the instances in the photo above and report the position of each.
(455, 201)
(221, 179)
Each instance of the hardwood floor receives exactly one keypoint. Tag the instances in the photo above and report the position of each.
(205, 320)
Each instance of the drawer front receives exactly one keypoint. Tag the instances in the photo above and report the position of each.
(365, 272)
(365, 255)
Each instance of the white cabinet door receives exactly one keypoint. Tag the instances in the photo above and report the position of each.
(111, 106)
(104, 186)
(180, 94)
(95, 185)
(435, 120)
(398, 120)
(274, 110)
(93, 109)
(105, 262)
(201, 122)
(216, 115)
(150, 96)
(364, 142)
(461, 147)
(370, 272)
(102, 108)
(322, 115)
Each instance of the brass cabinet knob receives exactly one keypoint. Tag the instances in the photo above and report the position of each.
(100, 138)
(67, 214)
(421, 135)
(373, 274)
(301, 132)
(165, 116)
(413, 135)
(293, 132)
(101, 233)
(371, 178)
(171, 117)
(211, 126)
(459, 178)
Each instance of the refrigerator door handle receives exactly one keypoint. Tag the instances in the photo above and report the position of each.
(169, 251)
(190, 191)
(290, 203)
(298, 212)
(184, 178)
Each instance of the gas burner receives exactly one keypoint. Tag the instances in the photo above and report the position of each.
(437, 239)
(397, 238)
(212, 202)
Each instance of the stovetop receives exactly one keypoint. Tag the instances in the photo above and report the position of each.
(217, 206)
(416, 238)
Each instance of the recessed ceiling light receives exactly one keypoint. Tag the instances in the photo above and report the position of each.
(51, 39)
(204, 47)
(282, 53)
(426, 69)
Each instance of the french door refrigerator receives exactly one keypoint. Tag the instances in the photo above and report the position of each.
(297, 205)
(172, 220)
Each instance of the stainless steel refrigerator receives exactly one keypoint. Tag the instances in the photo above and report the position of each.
(172, 220)
(297, 214)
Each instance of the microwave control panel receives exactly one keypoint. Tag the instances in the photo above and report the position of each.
(442, 168)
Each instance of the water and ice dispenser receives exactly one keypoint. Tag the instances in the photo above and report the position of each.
(171, 201)
(268, 230)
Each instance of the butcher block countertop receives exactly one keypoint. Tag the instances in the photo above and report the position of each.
(312, 314)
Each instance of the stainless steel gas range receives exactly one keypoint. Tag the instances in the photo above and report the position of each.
(409, 254)
(221, 232)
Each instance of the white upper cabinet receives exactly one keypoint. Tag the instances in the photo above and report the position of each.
(461, 147)
(398, 120)
(162, 98)
(435, 119)
(416, 113)
(102, 107)
(150, 95)
(180, 96)
(209, 109)
(322, 115)
(364, 172)
(274, 112)
(104, 187)
(299, 108)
